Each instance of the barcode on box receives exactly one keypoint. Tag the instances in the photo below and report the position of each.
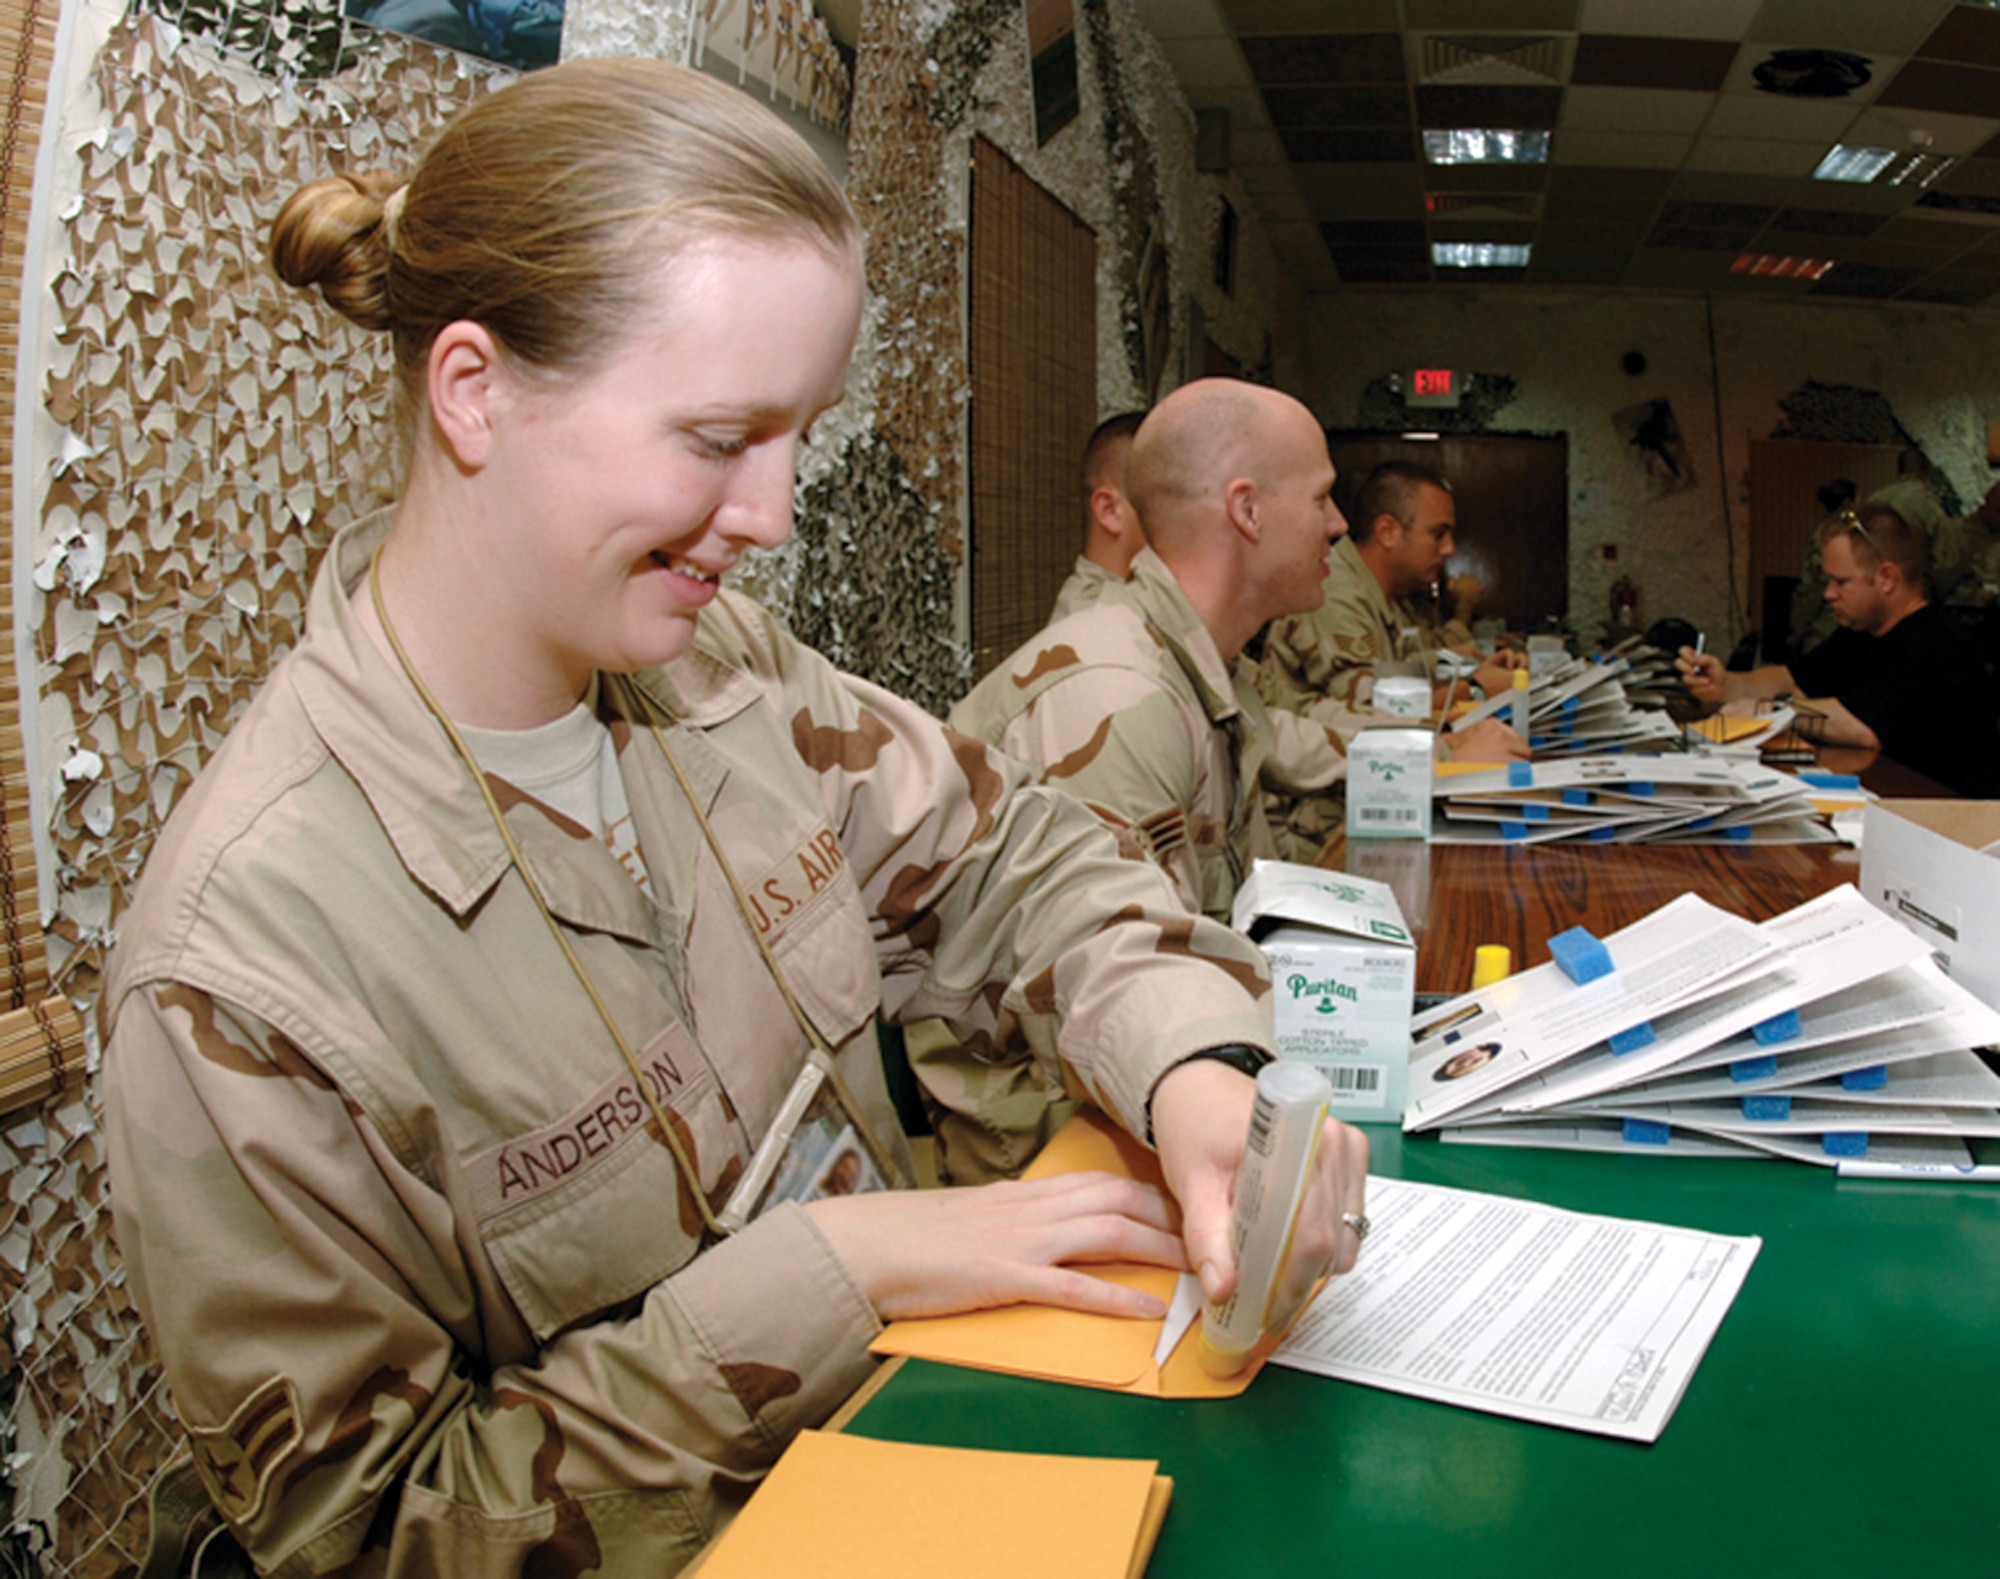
(1261, 1115)
(1387, 814)
(1355, 1079)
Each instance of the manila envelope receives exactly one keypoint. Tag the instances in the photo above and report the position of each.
(1112, 1352)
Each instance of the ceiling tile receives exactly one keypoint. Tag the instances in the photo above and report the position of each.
(1974, 175)
(1729, 186)
(1936, 235)
(1349, 235)
(1476, 206)
(1743, 217)
(1794, 244)
(1645, 150)
(1940, 85)
(1669, 18)
(1312, 16)
(1368, 268)
(1375, 144)
(1755, 156)
(1827, 222)
(1864, 279)
(1577, 268)
(1207, 62)
(1486, 177)
(1492, 59)
(1286, 58)
(1635, 109)
(1349, 106)
(1768, 115)
(1611, 189)
(1612, 61)
(1496, 16)
(1695, 271)
(1362, 191)
(1884, 126)
(1445, 105)
(1866, 27)
(1945, 293)
(1960, 202)
(1967, 34)
(1510, 230)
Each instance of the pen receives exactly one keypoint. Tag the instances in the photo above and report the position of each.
(1971, 1172)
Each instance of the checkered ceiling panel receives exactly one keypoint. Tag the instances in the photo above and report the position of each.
(1682, 139)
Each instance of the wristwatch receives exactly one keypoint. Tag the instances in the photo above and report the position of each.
(1238, 1055)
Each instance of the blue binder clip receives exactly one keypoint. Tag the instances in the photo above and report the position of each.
(1844, 1143)
(1759, 1068)
(1820, 779)
(1873, 1078)
(1513, 830)
(1576, 797)
(1646, 1132)
(1640, 788)
(1520, 775)
(1580, 956)
(1602, 835)
(1765, 1110)
(1631, 1039)
(1779, 1028)
(1535, 813)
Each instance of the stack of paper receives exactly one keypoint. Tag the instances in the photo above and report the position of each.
(1582, 706)
(1625, 799)
(1822, 1034)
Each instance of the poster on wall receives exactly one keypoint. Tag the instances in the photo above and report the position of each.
(1653, 435)
(522, 34)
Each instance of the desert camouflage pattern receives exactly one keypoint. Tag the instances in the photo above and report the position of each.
(1332, 651)
(429, 1292)
(1087, 583)
(1965, 558)
(1129, 707)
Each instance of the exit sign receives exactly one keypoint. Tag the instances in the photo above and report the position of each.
(1431, 386)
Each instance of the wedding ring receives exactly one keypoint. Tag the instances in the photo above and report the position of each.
(1358, 1221)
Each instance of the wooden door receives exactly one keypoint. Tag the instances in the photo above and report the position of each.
(1512, 492)
(1785, 478)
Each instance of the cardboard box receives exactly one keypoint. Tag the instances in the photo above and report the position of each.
(1935, 866)
(1344, 969)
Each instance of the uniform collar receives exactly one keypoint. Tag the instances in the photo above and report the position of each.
(1155, 593)
(376, 726)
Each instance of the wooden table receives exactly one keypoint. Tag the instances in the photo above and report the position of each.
(1458, 896)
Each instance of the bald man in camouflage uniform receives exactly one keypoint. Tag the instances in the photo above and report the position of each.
(1142, 705)
(432, 1295)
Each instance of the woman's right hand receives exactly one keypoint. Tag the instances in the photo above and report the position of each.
(936, 1252)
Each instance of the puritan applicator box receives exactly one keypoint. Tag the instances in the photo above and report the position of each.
(1343, 973)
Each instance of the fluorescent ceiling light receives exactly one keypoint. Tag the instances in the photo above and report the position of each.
(1427, 438)
(1468, 145)
(1858, 165)
(1777, 268)
(1479, 254)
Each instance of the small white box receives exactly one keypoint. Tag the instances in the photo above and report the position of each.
(1343, 973)
(1389, 783)
(1935, 866)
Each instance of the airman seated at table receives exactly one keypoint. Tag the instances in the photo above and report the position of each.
(1899, 676)
(1142, 705)
(1374, 609)
(1113, 535)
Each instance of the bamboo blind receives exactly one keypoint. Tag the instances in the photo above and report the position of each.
(1033, 368)
(41, 1043)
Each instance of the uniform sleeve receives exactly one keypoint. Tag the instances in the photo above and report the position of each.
(1327, 653)
(1005, 908)
(1306, 755)
(316, 1316)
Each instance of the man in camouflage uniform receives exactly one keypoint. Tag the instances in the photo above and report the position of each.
(1376, 607)
(1965, 556)
(1113, 534)
(432, 1295)
(1142, 705)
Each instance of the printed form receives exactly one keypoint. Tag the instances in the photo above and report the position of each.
(1591, 1323)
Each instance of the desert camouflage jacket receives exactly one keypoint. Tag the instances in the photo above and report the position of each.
(1332, 651)
(1129, 707)
(430, 1295)
(1087, 583)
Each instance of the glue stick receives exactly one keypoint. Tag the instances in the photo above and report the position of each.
(1285, 1127)
(1521, 680)
(1491, 962)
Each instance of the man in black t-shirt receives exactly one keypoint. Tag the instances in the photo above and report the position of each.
(1899, 676)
